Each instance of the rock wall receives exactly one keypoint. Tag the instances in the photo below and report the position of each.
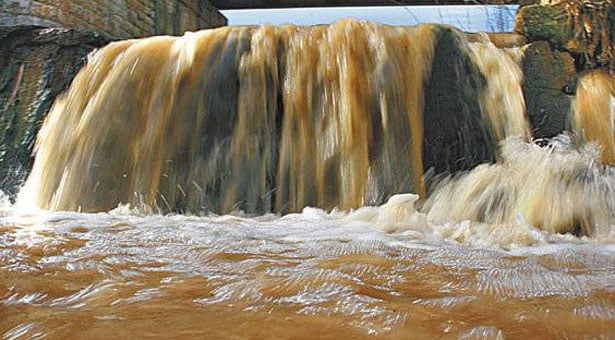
(36, 65)
(583, 28)
(115, 18)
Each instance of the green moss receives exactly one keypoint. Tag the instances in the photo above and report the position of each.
(547, 23)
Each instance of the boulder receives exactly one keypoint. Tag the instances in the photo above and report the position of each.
(456, 136)
(548, 74)
(584, 28)
(548, 23)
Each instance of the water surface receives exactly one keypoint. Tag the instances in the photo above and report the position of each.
(308, 275)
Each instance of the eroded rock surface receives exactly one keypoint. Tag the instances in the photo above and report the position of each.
(36, 65)
(549, 75)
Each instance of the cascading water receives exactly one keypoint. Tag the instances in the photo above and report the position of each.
(274, 119)
(317, 125)
(555, 188)
(594, 113)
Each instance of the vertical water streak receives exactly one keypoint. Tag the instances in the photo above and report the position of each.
(502, 100)
(353, 98)
(271, 119)
(254, 138)
(594, 112)
(59, 149)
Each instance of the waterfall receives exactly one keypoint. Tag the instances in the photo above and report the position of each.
(275, 119)
(352, 180)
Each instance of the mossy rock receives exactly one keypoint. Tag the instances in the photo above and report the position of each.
(547, 75)
(548, 23)
(585, 29)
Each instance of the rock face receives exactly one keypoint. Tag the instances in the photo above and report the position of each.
(543, 23)
(547, 75)
(116, 18)
(584, 28)
(452, 121)
(567, 38)
(36, 65)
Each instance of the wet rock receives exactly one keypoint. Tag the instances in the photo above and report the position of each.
(456, 137)
(36, 65)
(583, 28)
(548, 75)
(548, 23)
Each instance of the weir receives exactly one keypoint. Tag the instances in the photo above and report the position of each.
(275, 118)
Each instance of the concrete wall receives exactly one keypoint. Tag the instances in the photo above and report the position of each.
(115, 18)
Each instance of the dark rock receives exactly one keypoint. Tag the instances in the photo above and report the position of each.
(36, 65)
(546, 23)
(583, 28)
(549, 76)
(456, 137)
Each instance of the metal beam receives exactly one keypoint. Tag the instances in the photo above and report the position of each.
(250, 4)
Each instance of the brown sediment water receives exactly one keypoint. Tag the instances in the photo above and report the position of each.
(274, 119)
(502, 99)
(317, 140)
(594, 112)
(309, 275)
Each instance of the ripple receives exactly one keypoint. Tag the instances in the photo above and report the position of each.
(527, 283)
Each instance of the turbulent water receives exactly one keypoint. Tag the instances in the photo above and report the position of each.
(314, 124)
(275, 118)
(388, 271)
(308, 275)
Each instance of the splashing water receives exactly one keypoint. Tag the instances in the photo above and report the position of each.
(388, 271)
(554, 188)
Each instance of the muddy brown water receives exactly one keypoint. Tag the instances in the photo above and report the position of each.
(309, 275)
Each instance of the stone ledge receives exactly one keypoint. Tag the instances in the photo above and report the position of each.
(16, 36)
